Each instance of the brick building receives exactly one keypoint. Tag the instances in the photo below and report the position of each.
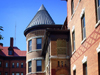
(69, 49)
(83, 20)
(12, 60)
(45, 56)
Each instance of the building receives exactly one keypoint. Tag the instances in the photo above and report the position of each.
(83, 20)
(12, 60)
(69, 49)
(45, 56)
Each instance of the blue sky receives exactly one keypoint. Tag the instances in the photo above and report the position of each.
(21, 12)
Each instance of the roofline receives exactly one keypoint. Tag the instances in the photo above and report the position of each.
(42, 26)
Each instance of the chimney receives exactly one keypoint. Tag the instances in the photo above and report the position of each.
(1, 44)
(11, 42)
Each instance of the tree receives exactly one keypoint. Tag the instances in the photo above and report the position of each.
(1, 29)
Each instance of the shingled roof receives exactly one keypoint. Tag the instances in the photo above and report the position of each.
(42, 17)
(17, 52)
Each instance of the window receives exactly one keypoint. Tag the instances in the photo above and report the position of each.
(17, 73)
(6, 73)
(17, 64)
(58, 64)
(12, 65)
(6, 64)
(73, 40)
(10, 52)
(72, 6)
(21, 73)
(38, 41)
(38, 65)
(83, 27)
(65, 63)
(0, 73)
(99, 62)
(29, 66)
(85, 69)
(12, 73)
(0, 63)
(21, 65)
(62, 63)
(74, 72)
(29, 45)
(98, 9)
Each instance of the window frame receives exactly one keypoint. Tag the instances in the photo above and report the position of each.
(17, 73)
(6, 65)
(10, 52)
(74, 72)
(38, 68)
(22, 73)
(17, 65)
(13, 64)
(72, 7)
(29, 66)
(73, 41)
(22, 65)
(85, 68)
(39, 43)
(83, 27)
(13, 73)
(0, 63)
(30, 45)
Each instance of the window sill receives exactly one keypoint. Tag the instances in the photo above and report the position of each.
(73, 52)
(83, 40)
(34, 50)
(98, 23)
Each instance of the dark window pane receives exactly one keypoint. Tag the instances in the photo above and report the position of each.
(98, 3)
(12, 65)
(85, 69)
(21, 65)
(0, 63)
(29, 66)
(83, 27)
(10, 52)
(74, 72)
(30, 45)
(38, 41)
(73, 38)
(39, 65)
(17, 64)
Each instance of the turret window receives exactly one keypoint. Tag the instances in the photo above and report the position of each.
(10, 52)
(39, 65)
(29, 45)
(29, 66)
(39, 42)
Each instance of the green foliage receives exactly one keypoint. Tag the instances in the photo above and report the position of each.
(1, 29)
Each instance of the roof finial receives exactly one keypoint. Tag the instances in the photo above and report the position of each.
(42, 7)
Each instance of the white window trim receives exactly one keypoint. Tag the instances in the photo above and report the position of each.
(74, 67)
(82, 13)
(73, 29)
(34, 38)
(98, 48)
(59, 57)
(34, 50)
(73, 52)
(38, 58)
(83, 40)
(35, 72)
(84, 59)
(97, 24)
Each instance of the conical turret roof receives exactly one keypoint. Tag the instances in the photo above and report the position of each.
(42, 17)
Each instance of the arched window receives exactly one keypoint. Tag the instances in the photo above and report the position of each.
(72, 6)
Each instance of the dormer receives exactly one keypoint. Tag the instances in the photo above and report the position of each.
(10, 49)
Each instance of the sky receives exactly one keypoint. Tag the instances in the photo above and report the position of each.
(19, 13)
